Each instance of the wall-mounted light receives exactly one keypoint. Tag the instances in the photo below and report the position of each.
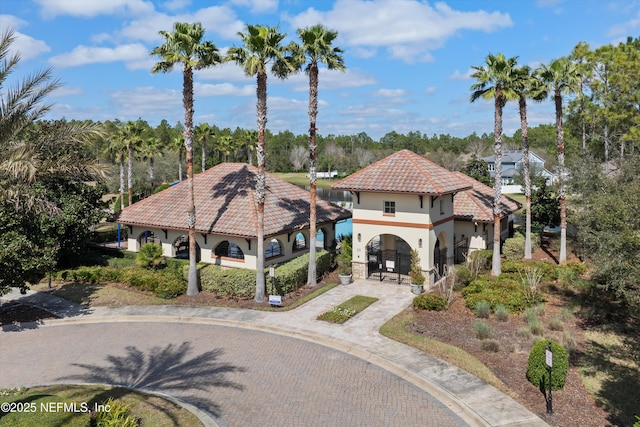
(419, 243)
(359, 237)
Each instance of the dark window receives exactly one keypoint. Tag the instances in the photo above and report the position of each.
(389, 207)
(273, 249)
(229, 249)
(300, 242)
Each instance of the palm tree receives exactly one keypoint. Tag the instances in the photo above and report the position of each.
(561, 77)
(176, 145)
(527, 85)
(203, 132)
(151, 148)
(131, 134)
(185, 46)
(316, 47)
(495, 82)
(262, 46)
(118, 149)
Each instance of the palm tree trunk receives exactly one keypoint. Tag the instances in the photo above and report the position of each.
(187, 101)
(130, 175)
(261, 93)
(527, 176)
(313, 113)
(204, 154)
(560, 149)
(180, 165)
(122, 206)
(496, 267)
(152, 172)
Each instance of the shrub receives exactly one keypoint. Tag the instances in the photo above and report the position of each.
(118, 415)
(524, 332)
(482, 309)
(483, 259)
(150, 256)
(345, 257)
(490, 345)
(537, 372)
(482, 330)
(429, 302)
(513, 248)
(536, 327)
(463, 277)
(555, 324)
(569, 341)
(566, 314)
(501, 312)
(504, 289)
(530, 314)
(416, 276)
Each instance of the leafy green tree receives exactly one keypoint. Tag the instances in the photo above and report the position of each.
(495, 81)
(478, 170)
(561, 78)
(204, 133)
(262, 45)
(185, 46)
(317, 49)
(545, 205)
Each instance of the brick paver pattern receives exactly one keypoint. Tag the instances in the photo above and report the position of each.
(240, 377)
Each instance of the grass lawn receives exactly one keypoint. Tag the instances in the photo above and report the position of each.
(151, 410)
(347, 309)
(97, 294)
(300, 179)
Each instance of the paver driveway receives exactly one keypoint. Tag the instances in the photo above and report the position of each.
(240, 377)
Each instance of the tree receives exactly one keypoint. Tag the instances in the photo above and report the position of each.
(527, 85)
(317, 48)
(176, 145)
(561, 77)
(131, 134)
(185, 46)
(478, 170)
(151, 148)
(262, 46)
(117, 148)
(298, 157)
(203, 133)
(495, 81)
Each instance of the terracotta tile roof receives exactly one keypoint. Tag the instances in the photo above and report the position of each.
(226, 204)
(403, 172)
(476, 204)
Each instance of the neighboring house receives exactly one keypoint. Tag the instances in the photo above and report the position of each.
(226, 218)
(512, 164)
(405, 202)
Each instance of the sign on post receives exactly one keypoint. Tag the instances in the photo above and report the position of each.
(549, 358)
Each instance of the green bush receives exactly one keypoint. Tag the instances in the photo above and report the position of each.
(150, 256)
(118, 415)
(490, 345)
(536, 327)
(555, 324)
(513, 248)
(482, 330)
(484, 256)
(463, 277)
(501, 312)
(537, 372)
(482, 309)
(429, 302)
(505, 289)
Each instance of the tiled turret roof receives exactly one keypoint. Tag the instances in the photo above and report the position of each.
(404, 172)
(226, 204)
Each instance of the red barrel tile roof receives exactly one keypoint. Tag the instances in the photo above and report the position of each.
(476, 203)
(226, 204)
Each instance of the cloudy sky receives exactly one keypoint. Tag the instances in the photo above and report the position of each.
(408, 61)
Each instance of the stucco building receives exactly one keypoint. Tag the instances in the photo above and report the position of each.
(226, 218)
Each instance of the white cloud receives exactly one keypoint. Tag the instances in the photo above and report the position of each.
(457, 75)
(222, 89)
(333, 79)
(430, 90)
(83, 55)
(227, 71)
(66, 91)
(176, 4)
(90, 8)
(147, 101)
(26, 46)
(628, 27)
(390, 93)
(258, 6)
(409, 29)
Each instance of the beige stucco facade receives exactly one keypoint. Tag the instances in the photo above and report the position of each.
(419, 220)
(207, 243)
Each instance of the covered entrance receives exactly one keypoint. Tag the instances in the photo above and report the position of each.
(388, 259)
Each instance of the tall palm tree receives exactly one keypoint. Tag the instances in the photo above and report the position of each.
(527, 85)
(317, 48)
(176, 145)
(495, 81)
(131, 134)
(151, 149)
(118, 150)
(262, 46)
(185, 46)
(561, 77)
(203, 133)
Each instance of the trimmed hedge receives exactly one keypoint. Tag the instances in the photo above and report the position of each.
(537, 372)
(241, 283)
(429, 302)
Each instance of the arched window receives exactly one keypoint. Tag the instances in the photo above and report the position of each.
(229, 249)
(273, 249)
(300, 242)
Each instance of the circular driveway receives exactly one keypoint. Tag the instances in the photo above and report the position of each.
(240, 377)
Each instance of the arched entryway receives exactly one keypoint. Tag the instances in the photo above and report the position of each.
(181, 248)
(388, 258)
(440, 255)
(147, 236)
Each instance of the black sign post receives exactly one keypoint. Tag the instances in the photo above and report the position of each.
(549, 362)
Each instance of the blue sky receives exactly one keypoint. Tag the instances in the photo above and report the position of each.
(408, 61)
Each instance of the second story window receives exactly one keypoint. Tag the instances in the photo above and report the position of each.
(389, 208)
